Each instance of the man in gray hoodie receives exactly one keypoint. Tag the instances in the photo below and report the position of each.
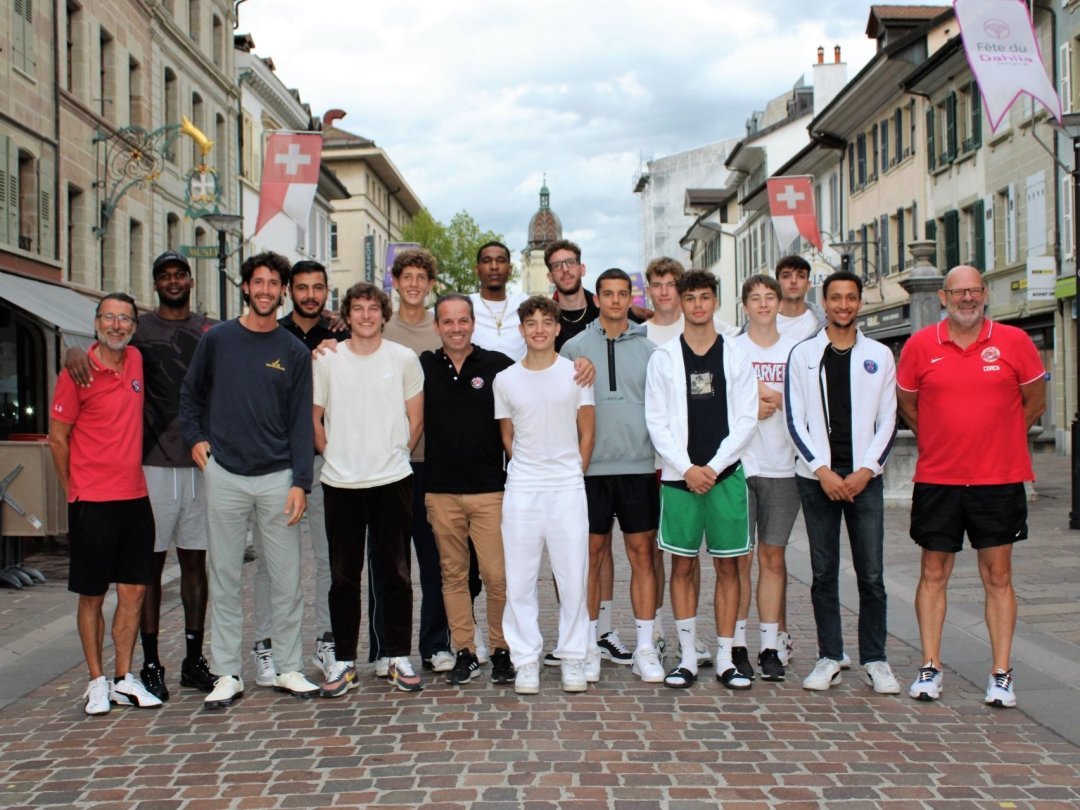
(621, 478)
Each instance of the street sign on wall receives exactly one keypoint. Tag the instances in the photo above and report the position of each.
(199, 251)
(369, 259)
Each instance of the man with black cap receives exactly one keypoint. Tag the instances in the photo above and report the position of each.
(167, 338)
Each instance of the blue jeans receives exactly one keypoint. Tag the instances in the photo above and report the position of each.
(865, 519)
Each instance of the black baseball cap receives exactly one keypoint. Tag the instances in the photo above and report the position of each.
(167, 258)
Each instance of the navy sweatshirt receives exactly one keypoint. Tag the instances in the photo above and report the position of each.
(249, 395)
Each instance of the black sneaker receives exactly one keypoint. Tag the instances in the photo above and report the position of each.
(153, 678)
(195, 674)
(466, 667)
(771, 668)
(502, 670)
(741, 659)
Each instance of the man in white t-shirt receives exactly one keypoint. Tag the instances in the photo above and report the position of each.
(495, 309)
(797, 319)
(547, 424)
(368, 414)
(772, 496)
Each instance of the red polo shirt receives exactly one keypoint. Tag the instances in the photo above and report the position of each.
(971, 414)
(107, 430)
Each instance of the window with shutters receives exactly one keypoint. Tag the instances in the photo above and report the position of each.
(873, 167)
(1065, 77)
(46, 178)
(911, 125)
(883, 245)
(172, 107)
(27, 201)
(977, 221)
(78, 229)
(931, 235)
(931, 152)
(969, 118)
(1067, 234)
(885, 147)
(901, 255)
(860, 159)
(23, 41)
(851, 167)
(333, 240)
(898, 129)
(951, 226)
(9, 192)
(106, 86)
(864, 253)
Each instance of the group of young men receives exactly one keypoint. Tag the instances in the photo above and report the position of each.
(479, 433)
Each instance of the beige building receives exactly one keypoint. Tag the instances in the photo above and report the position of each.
(379, 205)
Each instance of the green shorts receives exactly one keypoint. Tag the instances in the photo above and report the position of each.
(720, 515)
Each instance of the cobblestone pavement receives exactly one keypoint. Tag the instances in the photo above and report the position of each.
(623, 744)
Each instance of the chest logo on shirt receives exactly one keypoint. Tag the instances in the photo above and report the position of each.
(276, 365)
(477, 383)
(990, 354)
(870, 366)
(701, 384)
(136, 386)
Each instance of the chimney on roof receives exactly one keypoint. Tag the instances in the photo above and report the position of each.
(330, 116)
(836, 55)
(820, 55)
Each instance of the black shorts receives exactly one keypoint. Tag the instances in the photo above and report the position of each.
(994, 515)
(635, 499)
(111, 541)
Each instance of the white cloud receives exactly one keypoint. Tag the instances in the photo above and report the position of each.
(475, 100)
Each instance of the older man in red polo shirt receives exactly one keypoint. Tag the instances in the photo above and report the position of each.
(96, 440)
(969, 388)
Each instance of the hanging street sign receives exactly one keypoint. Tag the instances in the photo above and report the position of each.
(199, 251)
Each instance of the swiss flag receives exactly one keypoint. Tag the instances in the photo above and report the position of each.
(289, 177)
(791, 205)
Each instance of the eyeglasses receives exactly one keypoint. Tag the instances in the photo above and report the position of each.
(568, 264)
(109, 317)
(959, 292)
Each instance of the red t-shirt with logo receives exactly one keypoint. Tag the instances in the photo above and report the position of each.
(971, 414)
(107, 430)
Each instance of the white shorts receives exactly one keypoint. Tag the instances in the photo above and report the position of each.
(178, 498)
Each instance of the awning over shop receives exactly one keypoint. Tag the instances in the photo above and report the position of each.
(69, 312)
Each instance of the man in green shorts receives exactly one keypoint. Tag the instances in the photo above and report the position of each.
(701, 405)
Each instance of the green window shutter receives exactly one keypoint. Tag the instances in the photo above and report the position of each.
(951, 221)
(950, 126)
(978, 214)
(931, 153)
(900, 258)
(46, 206)
(976, 118)
(5, 237)
(931, 234)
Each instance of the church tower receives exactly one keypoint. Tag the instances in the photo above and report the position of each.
(544, 228)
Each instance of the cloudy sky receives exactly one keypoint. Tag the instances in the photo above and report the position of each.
(475, 101)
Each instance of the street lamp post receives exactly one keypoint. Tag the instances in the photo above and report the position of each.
(222, 223)
(1074, 514)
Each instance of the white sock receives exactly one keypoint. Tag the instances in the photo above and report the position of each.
(593, 638)
(769, 632)
(658, 622)
(603, 626)
(740, 633)
(687, 630)
(723, 653)
(644, 633)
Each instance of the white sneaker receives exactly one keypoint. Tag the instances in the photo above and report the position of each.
(880, 676)
(527, 680)
(97, 696)
(704, 656)
(296, 685)
(442, 661)
(573, 675)
(928, 683)
(382, 667)
(227, 688)
(324, 655)
(647, 666)
(592, 665)
(481, 648)
(845, 661)
(660, 643)
(999, 690)
(785, 648)
(129, 692)
(264, 663)
(826, 673)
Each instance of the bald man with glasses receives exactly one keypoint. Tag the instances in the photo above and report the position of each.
(970, 389)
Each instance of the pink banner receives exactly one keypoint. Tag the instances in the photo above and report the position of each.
(1003, 53)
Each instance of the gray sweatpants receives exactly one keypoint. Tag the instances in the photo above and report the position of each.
(230, 499)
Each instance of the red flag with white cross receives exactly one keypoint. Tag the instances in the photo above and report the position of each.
(290, 176)
(791, 206)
